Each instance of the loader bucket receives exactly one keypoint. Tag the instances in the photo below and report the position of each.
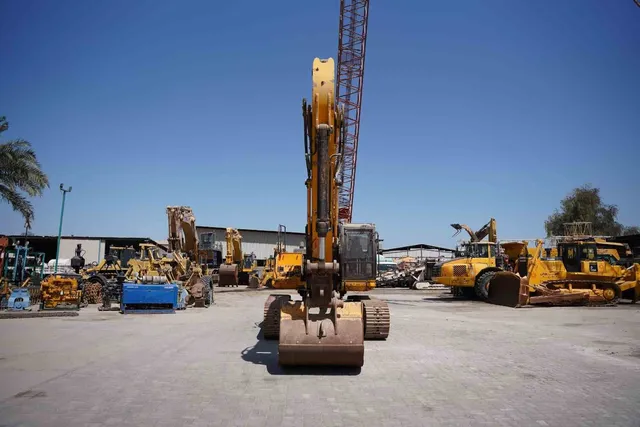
(318, 343)
(228, 275)
(508, 289)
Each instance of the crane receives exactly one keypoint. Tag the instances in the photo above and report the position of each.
(352, 42)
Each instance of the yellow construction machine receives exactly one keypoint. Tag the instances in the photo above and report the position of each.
(238, 267)
(469, 274)
(184, 249)
(323, 328)
(96, 276)
(586, 273)
(151, 266)
(284, 269)
(63, 291)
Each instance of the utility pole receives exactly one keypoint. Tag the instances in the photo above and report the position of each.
(64, 194)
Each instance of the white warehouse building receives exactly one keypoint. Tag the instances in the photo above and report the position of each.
(260, 242)
(420, 252)
(94, 248)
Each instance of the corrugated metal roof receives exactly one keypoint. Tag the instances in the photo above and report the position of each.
(416, 246)
(210, 227)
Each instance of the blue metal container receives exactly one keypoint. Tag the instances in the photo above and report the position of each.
(19, 299)
(142, 298)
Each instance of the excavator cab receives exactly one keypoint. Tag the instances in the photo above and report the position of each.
(358, 256)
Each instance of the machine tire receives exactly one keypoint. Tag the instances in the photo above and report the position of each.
(482, 282)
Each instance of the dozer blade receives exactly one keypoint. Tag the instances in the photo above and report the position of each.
(228, 275)
(321, 345)
(508, 289)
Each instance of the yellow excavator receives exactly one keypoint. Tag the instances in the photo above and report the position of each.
(238, 267)
(322, 328)
(183, 248)
(229, 271)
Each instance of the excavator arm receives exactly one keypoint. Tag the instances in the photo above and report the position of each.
(183, 244)
(234, 246)
(183, 237)
(489, 229)
(465, 227)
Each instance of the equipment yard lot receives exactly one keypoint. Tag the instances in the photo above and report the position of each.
(446, 362)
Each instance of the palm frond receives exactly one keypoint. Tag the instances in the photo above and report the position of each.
(19, 168)
(18, 202)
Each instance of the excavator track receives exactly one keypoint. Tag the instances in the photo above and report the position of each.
(377, 319)
(609, 292)
(271, 320)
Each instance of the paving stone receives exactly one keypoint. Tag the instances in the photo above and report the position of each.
(445, 363)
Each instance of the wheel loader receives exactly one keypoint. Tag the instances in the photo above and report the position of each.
(322, 327)
(586, 272)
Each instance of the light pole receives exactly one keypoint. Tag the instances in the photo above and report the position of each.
(64, 194)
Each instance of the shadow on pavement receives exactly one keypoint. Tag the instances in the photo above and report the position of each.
(447, 298)
(265, 352)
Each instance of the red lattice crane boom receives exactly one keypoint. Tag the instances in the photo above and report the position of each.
(354, 16)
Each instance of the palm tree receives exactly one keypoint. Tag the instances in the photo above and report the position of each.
(20, 172)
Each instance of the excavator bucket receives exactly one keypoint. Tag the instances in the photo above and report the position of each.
(324, 339)
(228, 275)
(508, 289)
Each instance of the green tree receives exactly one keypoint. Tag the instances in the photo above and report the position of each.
(634, 229)
(584, 204)
(20, 172)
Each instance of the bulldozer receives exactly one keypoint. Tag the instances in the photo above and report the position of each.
(586, 272)
(284, 269)
(238, 268)
(322, 327)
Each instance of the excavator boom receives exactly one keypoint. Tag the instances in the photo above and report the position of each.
(183, 237)
(183, 245)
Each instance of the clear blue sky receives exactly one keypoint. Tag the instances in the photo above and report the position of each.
(471, 109)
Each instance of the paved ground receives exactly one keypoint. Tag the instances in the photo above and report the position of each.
(446, 362)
